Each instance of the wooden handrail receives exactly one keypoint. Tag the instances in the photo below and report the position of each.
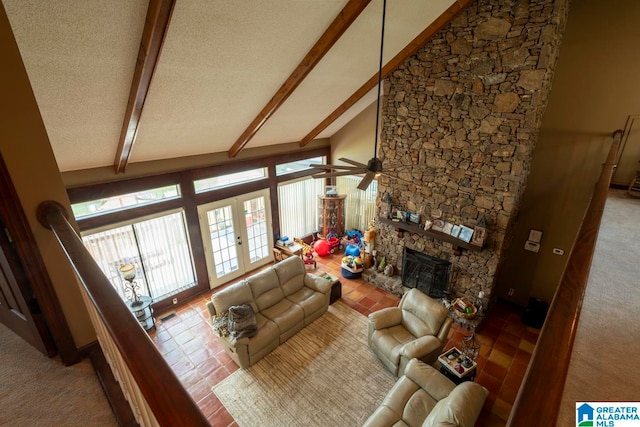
(166, 397)
(538, 400)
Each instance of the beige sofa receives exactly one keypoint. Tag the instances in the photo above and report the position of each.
(423, 397)
(284, 297)
(417, 328)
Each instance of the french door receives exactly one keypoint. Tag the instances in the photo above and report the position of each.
(236, 233)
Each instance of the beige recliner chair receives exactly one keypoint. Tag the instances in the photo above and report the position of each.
(417, 328)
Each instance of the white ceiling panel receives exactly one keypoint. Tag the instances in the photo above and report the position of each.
(220, 64)
(351, 62)
(80, 56)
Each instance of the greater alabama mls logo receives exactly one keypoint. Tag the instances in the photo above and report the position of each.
(607, 414)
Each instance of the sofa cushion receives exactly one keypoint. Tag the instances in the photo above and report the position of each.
(389, 341)
(310, 301)
(265, 288)
(237, 294)
(286, 315)
(267, 335)
(421, 314)
(291, 274)
(461, 408)
(426, 376)
(419, 405)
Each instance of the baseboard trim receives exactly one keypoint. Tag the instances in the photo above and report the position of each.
(619, 186)
(111, 388)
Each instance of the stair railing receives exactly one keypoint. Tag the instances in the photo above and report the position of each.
(538, 400)
(155, 394)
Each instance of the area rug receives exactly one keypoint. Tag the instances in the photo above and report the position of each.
(325, 375)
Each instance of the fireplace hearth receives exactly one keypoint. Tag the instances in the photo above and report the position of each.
(425, 272)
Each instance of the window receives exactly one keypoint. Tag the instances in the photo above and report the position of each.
(299, 165)
(124, 201)
(360, 206)
(229, 180)
(298, 202)
(159, 249)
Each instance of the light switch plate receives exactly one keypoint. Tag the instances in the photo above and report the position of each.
(532, 246)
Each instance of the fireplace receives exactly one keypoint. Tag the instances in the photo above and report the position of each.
(425, 272)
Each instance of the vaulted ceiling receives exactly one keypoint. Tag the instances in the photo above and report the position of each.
(206, 76)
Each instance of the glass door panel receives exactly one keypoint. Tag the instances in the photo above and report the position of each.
(258, 247)
(236, 235)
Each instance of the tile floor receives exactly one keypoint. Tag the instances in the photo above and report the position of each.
(185, 339)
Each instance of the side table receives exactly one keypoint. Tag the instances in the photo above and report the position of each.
(143, 312)
(336, 287)
(451, 366)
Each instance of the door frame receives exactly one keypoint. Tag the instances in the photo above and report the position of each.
(240, 229)
(35, 271)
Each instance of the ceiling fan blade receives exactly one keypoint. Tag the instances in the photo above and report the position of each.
(336, 167)
(364, 184)
(332, 174)
(352, 162)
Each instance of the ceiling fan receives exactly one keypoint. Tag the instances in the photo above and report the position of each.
(373, 167)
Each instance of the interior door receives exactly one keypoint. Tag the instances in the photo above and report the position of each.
(19, 309)
(236, 235)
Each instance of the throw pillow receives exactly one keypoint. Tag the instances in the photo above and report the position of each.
(242, 321)
(221, 324)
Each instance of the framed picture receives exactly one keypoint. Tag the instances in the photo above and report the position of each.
(465, 234)
(414, 218)
(447, 227)
(455, 231)
(394, 211)
(437, 225)
(479, 235)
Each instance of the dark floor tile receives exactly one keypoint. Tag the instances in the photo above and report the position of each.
(489, 382)
(509, 338)
(505, 348)
(495, 370)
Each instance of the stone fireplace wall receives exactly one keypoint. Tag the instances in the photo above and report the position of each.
(460, 121)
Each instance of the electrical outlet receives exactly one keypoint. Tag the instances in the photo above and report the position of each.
(510, 293)
(175, 300)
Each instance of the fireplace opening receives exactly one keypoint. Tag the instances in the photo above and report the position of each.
(425, 272)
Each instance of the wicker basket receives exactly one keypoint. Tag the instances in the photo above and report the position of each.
(458, 306)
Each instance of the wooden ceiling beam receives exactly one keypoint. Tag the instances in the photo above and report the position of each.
(391, 66)
(333, 33)
(155, 29)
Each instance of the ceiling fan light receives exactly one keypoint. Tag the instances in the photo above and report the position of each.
(374, 165)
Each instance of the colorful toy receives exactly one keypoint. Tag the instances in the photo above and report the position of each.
(308, 259)
(352, 250)
(351, 267)
(333, 242)
(322, 248)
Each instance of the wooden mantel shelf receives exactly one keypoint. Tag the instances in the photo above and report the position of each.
(443, 237)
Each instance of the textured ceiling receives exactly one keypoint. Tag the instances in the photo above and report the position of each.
(221, 62)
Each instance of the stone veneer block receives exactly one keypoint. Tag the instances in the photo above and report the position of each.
(462, 116)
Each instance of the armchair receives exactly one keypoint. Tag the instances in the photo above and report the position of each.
(417, 328)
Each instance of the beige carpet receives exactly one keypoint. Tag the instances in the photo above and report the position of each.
(323, 376)
(607, 344)
(38, 391)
